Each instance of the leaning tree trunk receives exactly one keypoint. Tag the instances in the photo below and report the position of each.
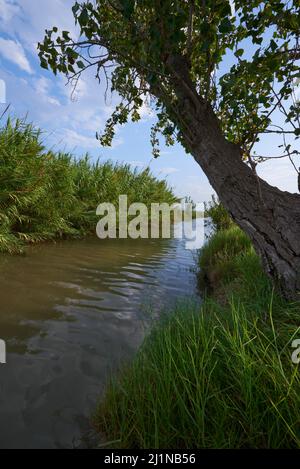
(268, 215)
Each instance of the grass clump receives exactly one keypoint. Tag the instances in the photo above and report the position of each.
(219, 216)
(219, 376)
(46, 195)
(223, 256)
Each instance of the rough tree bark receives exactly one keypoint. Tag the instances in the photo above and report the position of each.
(268, 215)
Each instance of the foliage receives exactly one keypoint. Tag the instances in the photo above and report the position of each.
(260, 41)
(219, 216)
(46, 195)
(221, 377)
(221, 257)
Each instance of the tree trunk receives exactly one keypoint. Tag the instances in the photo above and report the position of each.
(268, 215)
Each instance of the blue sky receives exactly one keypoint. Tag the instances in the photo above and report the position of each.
(71, 124)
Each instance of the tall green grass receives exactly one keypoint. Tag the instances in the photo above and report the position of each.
(223, 256)
(46, 195)
(219, 216)
(219, 376)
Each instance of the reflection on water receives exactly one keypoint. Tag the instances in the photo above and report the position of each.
(70, 313)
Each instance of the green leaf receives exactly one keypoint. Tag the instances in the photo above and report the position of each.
(239, 52)
(225, 26)
(128, 6)
(75, 8)
(273, 45)
(257, 40)
(44, 64)
(65, 35)
(83, 17)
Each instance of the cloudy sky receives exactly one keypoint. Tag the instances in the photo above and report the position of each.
(71, 124)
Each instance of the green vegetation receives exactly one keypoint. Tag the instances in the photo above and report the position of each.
(218, 214)
(223, 258)
(166, 55)
(46, 195)
(221, 377)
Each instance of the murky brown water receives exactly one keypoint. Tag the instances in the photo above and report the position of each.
(70, 313)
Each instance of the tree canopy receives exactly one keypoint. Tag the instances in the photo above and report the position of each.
(242, 58)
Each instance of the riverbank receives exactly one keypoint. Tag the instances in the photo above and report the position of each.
(221, 377)
(46, 195)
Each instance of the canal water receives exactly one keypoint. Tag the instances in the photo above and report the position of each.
(71, 313)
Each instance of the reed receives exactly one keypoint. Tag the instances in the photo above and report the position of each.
(215, 376)
(46, 195)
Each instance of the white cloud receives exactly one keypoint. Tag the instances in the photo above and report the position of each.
(169, 170)
(42, 87)
(28, 19)
(232, 5)
(297, 93)
(53, 101)
(78, 119)
(117, 142)
(75, 90)
(8, 10)
(197, 186)
(73, 139)
(137, 164)
(14, 52)
(145, 111)
(280, 173)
